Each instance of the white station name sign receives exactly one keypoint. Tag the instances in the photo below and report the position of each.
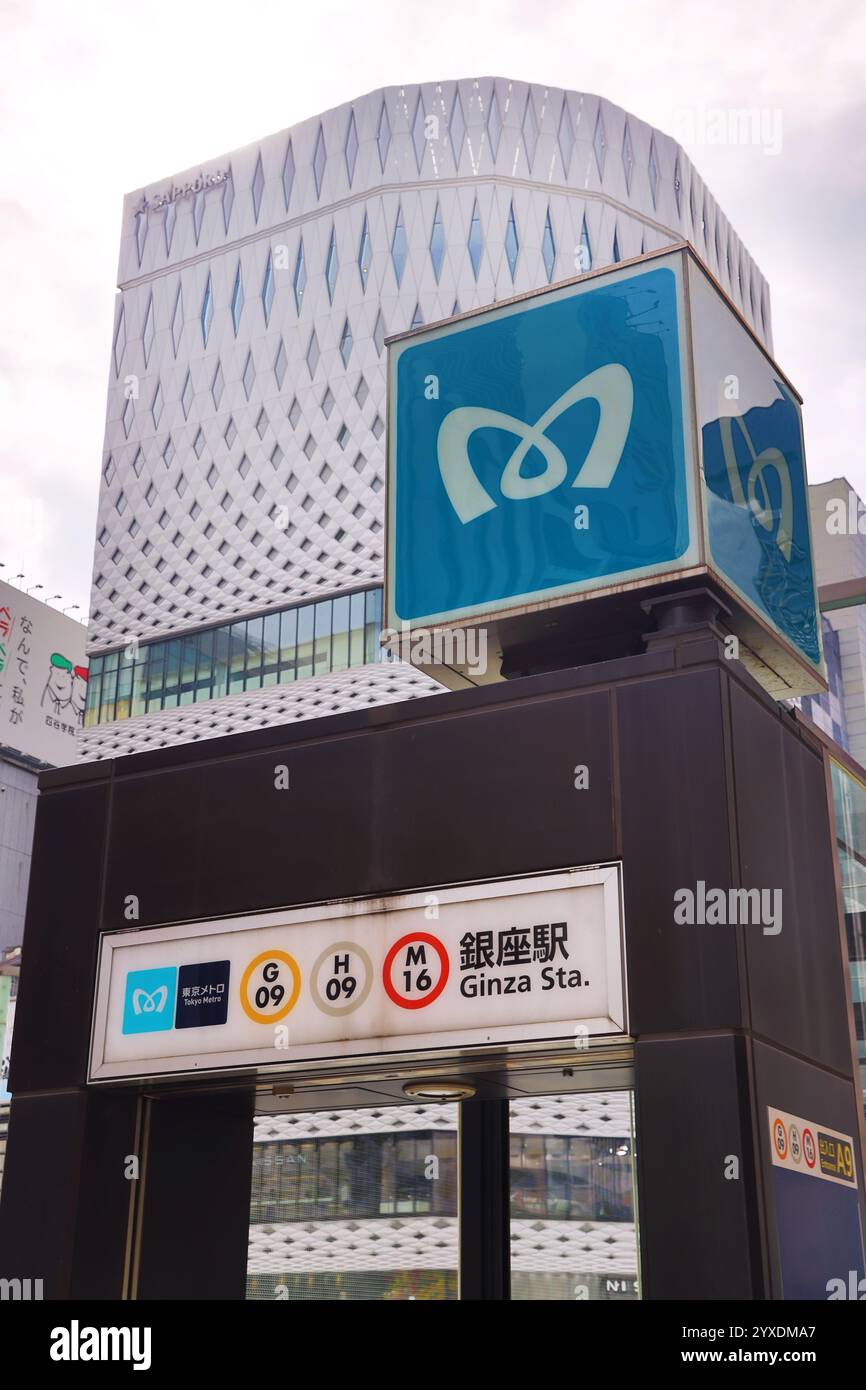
(491, 963)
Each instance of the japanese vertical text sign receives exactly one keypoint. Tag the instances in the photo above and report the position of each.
(43, 678)
(505, 962)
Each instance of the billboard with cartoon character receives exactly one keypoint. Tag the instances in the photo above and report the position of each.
(43, 678)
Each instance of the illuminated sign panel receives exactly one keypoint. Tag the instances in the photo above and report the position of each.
(498, 963)
(539, 449)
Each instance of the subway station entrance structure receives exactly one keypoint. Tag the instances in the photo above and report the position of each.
(611, 869)
(695, 775)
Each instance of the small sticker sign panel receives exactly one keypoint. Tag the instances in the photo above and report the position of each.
(504, 963)
(817, 1207)
(806, 1147)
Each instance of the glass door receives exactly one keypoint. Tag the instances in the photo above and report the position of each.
(354, 1204)
(572, 1202)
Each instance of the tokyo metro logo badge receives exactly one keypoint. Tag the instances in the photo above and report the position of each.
(539, 450)
(758, 513)
(148, 1004)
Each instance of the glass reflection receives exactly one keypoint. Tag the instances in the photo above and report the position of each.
(309, 639)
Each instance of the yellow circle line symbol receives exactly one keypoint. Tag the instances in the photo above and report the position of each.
(249, 1009)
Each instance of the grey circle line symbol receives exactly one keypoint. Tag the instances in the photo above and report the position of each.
(355, 1002)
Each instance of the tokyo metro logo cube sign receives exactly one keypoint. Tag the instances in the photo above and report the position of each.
(617, 431)
(540, 449)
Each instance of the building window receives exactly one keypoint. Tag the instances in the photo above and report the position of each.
(319, 158)
(599, 144)
(418, 140)
(168, 226)
(332, 264)
(565, 136)
(530, 130)
(268, 288)
(437, 243)
(346, 343)
(627, 157)
(351, 147)
(512, 242)
(237, 299)
(299, 279)
(147, 331)
(313, 354)
(475, 241)
(217, 386)
(364, 253)
(494, 124)
(849, 805)
(379, 333)
(119, 339)
(457, 129)
(281, 362)
(548, 248)
(228, 199)
(258, 186)
(398, 245)
(653, 170)
(206, 316)
(304, 640)
(177, 320)
(140, 234)
(288, 173)
(585, 248)
(383, 136)
(197, 214)
(249, 374)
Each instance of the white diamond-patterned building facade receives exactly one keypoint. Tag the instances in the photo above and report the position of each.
(244, 461)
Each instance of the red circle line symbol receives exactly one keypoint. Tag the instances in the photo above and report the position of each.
(445, 966)
(809, 1147)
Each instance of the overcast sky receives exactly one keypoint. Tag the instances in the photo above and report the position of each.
(100, 98)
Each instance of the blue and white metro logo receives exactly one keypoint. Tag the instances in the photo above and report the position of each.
(758, 513)
(552, 457)
(610, 387)
(148, 1005)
